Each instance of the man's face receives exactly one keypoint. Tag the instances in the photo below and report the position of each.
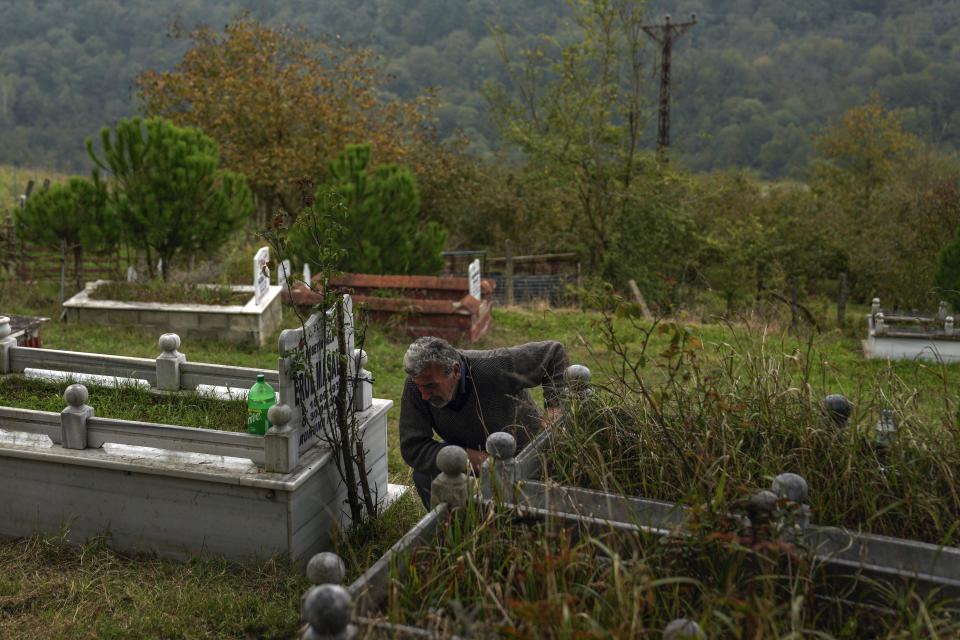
(435, 387)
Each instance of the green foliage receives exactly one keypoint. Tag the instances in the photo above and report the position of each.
(947, 275)
(380, 232)
(75, 213)
(167, 191)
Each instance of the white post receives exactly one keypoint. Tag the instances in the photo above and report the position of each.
(261, 274)
(168, 363)
(5, 343)
(73, 419)
(280, 443)
(363, 394)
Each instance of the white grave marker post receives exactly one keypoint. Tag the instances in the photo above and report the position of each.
(283, 274)
(261, 274)
(473, 273)
(309, 367)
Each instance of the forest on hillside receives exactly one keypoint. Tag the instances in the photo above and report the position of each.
(751, 81)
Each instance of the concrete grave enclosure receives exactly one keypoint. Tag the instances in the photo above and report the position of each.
(181, 491)
(896, 335)
(253, 322)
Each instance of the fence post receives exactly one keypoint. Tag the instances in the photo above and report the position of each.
(73, 419)
(498, 476)
(508, 272)
(168, 363)
(841, 298)
(363, 394)
(5, 343)
(451, 485)
(281, 447)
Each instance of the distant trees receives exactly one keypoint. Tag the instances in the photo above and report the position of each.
(72, 216)
(282, 104)
(167, 191)
(380, 231)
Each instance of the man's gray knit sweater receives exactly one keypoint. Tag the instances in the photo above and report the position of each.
(495, 397)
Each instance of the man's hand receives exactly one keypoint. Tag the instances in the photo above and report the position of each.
(476, 458)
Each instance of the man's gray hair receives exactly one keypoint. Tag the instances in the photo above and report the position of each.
(429, 349)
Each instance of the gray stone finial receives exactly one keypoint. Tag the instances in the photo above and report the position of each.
(326, 568)
(76, 395)
(451, 485)
(501, 445)
(4, 327)
(792, 487)
(170, 342)
(683, 629)
(761, 506)
(878, 326)
(942, 311)
(578, 373)
(875, 306)
(948, 325)
(279, 415)
(73, 419)
(452, 460)
(328, 608)
(838, 407)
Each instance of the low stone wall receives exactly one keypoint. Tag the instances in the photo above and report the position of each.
(249, 323)
(422, 305)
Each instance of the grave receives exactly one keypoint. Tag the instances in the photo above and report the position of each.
(179, 491)
(897, 335)
(422, 305)
(253, 322)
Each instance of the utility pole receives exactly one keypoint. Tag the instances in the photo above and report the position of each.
(665, 34)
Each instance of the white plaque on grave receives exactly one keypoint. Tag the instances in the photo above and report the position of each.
(473, 272)
(283, 274)
(261, 274)
(309, 373)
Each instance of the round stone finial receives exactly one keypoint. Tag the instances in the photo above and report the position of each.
(4, 327)
(578, 373)
(761, 506)
(326, 568)
(838, 408)
(452, 459)
(501, 445)
(792, 487)
(76, 395)
(683, 629)
(278, 415)
(361, 357)
(169, 342)
(327, 608)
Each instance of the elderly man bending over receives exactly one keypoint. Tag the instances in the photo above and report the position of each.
(463, 396)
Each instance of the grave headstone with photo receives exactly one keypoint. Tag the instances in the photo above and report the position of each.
(261, 274)
(309, 368)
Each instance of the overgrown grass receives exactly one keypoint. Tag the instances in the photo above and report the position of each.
(169, 292)
(495, 572)
(126, 401)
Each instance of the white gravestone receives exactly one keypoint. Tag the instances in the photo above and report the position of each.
(306, 274)
(473, 273)
(261, 274)
(309, 369)
(283, 274)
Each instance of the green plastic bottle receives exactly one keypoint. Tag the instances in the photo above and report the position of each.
(259, 400)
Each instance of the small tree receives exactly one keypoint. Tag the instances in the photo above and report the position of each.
(71, 216)
(167, 191)
(380, 232)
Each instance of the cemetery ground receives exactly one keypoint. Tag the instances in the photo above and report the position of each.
(699, 413)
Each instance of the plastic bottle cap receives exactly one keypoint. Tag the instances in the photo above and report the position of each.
(260, 377)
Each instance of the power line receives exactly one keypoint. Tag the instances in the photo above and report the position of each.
(665, 34)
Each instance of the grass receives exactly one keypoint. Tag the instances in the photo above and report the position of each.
(779, 378)
(495, 572)
(169, 292)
